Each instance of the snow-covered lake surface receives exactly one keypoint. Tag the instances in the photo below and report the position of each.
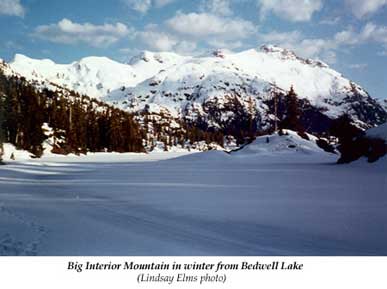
(246, 203)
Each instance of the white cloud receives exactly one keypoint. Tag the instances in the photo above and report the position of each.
(68, 32)
(12, 8)
(347, 37)
(156, 40)
(316, 47)
(374, 33)
(205, 25)
(190, 33)
(144, 5)
(219, 7)
(363, 8)
(292, 10)
(370, 33)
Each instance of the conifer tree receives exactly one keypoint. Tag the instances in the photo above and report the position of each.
(293, 113)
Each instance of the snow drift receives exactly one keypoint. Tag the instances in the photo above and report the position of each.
(289, 142)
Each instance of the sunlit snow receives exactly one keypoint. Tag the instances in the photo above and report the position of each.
(278, 196)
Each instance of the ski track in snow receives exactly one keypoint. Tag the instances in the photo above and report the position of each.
(201, 204)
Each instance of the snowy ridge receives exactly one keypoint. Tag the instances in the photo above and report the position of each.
(94, 76)
(196, 87)
(269, 63)
(147, 64)
(247, 73)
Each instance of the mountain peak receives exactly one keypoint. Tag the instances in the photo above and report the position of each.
(287, 54)
(221, 53)
(95, 59)
(144, 55)
(149, 56)
(274, 49)
(96, 62)
(21, 58)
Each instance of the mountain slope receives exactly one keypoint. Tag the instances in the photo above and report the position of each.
(254, 73)
(223, 91)
(40, 114)
(94, 76)
(33, 116)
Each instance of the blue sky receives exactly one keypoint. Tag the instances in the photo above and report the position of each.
(350, 35)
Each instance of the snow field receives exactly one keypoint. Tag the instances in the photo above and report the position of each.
(252, 202)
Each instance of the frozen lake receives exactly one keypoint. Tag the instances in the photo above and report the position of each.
(198, 204)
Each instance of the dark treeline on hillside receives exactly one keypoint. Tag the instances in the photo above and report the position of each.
(78, 124)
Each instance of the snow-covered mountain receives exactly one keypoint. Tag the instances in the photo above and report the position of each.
(216, 90)
(95, 76)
